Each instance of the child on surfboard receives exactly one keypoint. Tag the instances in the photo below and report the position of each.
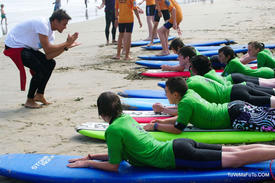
(127, 140)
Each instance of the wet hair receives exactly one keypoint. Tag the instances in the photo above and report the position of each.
(187, 51)
(201, 64)
(257, 45)
(176, 44)
(227, 51)
(60, 15)
(108, 104)
(177, 84)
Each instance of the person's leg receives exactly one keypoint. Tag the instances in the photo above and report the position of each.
(113, 28)
(127, 44)
(162, 32)
(267, 82)
(247, 156)
(261, 88)
(107, 26)
(243, 147)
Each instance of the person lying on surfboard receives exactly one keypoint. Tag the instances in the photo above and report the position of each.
(127, 140)
(256, 50)
(194, 109)
(233, 65)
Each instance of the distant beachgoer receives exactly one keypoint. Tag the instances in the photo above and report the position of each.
(109, 18)
(126, 140)
(176, 17)
(124, 19)
(22, 45)
(3, 15)
(57, 5)
(86, 3)
(256, 50)
(150, 11)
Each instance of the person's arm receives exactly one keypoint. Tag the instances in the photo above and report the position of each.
(102, 5)
(173, 16)
(137, 15)
(245, 59)
(140, 3)
(159, 108)
(53, 50)
(178, 68)
(164, 125)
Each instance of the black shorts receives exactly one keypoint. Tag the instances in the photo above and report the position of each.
(165, 15)
(191, 154)
(239, 78)
(125, 27)
(150, 10)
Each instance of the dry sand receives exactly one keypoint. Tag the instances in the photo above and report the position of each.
(84, 72)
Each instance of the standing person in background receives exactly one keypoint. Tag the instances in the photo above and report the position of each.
(124, 19)
(176, 17)
(3, 15)
(57, 5)
(86, 3)
(109, 18)
(160, 11)
(22, 45)
(150, 11)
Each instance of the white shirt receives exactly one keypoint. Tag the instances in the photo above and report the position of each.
(26, 34)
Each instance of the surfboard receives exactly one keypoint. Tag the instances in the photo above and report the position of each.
(143, 94)
(167, 74)
(148, 119)
(175, 56)
(225, 136)
(161, 84)
(142, 43)
(45, 168)
(152, 64)
(143, 104)
(133, 113)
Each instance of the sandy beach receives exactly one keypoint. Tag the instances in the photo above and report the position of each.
(82, 73)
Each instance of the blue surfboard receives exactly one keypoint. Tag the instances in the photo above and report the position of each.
(143, 94)
(142, 104)
(161, 84)
(156, 64)
(175, 56)
(142, 43)
(45, 168)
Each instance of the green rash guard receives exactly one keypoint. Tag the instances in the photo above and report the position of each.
(195, 110)
(127, 140)
(214, 76)
(265, 59)
(209, 89)
(235, 66)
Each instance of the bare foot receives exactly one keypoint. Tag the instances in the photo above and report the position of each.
(128, 58)
(163, 53)
(116, 57)
(30, 103)
(40, 98)
(150, 44)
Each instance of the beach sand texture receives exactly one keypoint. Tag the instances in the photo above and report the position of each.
(82, 73)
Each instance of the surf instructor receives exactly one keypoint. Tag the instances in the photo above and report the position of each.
(22, 45)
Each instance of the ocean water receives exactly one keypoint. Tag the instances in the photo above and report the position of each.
(20, 10)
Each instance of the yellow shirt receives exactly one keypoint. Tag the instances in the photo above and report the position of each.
(173, 4)
(150, 2)
(125, 9)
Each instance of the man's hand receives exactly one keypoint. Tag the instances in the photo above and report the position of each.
(71, 39)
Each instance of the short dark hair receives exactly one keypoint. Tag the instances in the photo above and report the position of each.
(177, 84)
(187, 51)
(257, 45)
(176, 44)
(108, 104)
(201, 64)
(227, 51)
(60, 15)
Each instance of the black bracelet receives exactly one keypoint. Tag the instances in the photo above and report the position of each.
(156, 126)
(66, 49)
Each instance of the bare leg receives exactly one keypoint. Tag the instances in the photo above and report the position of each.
(119, 44)
(40, 98)
(127, 44)
(154, 33)
(267, 82)
(30, 103)
(162, 32)
(248, 156)
(150, 27)
(243, 147)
